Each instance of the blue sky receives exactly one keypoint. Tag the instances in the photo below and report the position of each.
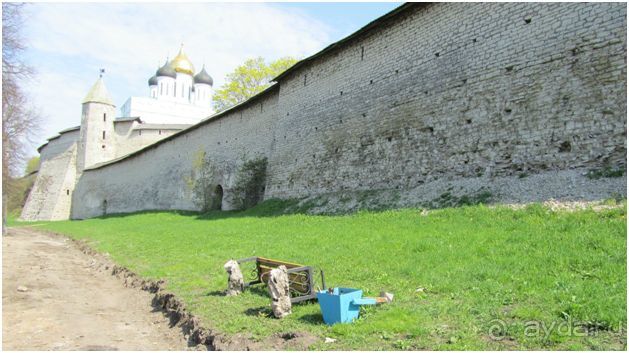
(69, 43)
(344, 18)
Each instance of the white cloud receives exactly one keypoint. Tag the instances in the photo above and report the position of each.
(69, 42)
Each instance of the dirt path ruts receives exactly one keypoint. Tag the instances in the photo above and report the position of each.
(70, 305)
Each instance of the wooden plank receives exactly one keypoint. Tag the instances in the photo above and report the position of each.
(276, 263)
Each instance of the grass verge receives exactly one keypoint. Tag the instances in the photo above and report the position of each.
(464, 278)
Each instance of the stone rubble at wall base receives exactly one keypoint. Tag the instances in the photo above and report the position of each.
(570, 185)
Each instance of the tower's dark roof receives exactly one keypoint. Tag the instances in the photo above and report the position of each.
(203, 77)
(153, 80)
(166, 70)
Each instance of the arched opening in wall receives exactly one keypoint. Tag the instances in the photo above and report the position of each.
(104, 207)
(217, 198)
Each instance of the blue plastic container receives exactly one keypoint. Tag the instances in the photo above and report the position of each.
(342, 305)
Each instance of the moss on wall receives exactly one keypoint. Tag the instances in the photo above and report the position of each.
(250, 183)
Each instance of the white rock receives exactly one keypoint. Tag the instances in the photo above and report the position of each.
(279, 289)
(235, 283)
(388, 296)
(329, 340)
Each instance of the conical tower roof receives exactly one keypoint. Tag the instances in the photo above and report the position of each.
(98, 94)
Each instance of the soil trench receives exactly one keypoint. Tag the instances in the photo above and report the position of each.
(54, 297)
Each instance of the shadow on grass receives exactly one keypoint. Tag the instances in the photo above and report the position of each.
(278, 207)
(215, 293)
(263, 311)
(268, 208)
(312, 319)
(259, 290)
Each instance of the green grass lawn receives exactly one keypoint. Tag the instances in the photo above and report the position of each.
(532, 278)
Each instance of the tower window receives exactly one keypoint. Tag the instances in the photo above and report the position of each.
(104, 116)
(175, 89)
(67, 192)
(159, 132)
(161, 88)
(103, 134)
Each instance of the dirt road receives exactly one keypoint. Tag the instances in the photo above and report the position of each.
(54, 298)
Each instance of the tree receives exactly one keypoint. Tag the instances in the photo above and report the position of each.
(32, 165)
(248, 79)
(19, 121)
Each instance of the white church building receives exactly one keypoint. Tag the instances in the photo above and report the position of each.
(175, 95)
(178, 97)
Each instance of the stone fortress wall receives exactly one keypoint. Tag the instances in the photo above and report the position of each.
(458, 90)
(516, 99)
(132, 136)
(172, 174)
(51, 195)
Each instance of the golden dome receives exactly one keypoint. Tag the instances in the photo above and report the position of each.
(182, 64)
